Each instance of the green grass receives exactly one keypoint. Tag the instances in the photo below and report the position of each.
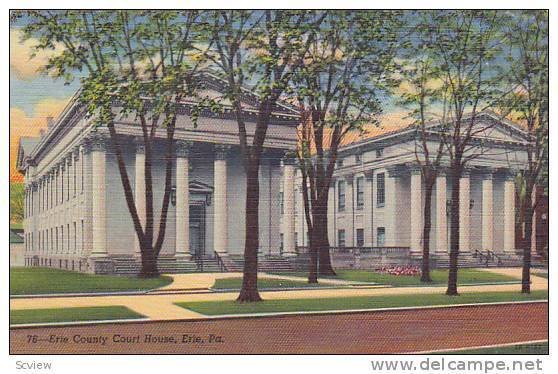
(439, 276)
(32, 281)
(235, 283)
(71, 314)
(357, 302)
(519, 349)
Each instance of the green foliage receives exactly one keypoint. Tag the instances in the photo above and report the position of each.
(17, 197)
(526, 82)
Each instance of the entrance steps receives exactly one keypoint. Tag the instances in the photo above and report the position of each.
(265, 264)
(166, 265)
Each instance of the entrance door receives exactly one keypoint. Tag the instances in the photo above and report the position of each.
(197, 230)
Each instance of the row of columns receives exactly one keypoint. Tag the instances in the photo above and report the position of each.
(464, 212)
(182, 241)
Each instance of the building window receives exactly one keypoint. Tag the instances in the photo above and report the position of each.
(82, 237)
(296, 239)
(74, 175)
(358, 158)
(281, 245)
(62, 177)
(360, 237)
(75, 237)
(380, 189)
(340, 163)
(56, 231)
(341, 238)
(341, 196)
(282, 202)
(81, 162)
(68, 184)
(380, 236)
(379, 152)
(62, 239)
(68, 237)
(360, 192)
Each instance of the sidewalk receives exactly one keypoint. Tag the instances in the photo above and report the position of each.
(161, 306)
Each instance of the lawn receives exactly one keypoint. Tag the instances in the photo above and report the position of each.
(71, 314)
(519, 349)
(235, 283)
(33, 281)
(357, 302)
(439, 276)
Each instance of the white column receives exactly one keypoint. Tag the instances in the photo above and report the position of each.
(220, 229)
(441, 217)
(509, 214)
(289, 245)
(98, 159)
(416, 210)
(487, 212)
(390, 211)
(182, 246)
(139, 190)
(464, 211)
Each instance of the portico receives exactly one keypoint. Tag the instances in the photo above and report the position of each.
(77, 214)
(377, 198)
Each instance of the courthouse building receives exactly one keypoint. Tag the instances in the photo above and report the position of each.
(76, 216)
(376, 199)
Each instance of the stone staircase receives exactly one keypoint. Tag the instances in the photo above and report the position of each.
(265, 263)
(166, 265)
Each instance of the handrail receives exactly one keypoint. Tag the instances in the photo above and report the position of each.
(199, 262)
(493, 256)
(487, 257)
(222, 266)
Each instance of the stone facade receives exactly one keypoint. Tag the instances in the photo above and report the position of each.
(76, 215)
(377, 199)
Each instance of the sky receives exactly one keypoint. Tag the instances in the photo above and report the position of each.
(33, 96)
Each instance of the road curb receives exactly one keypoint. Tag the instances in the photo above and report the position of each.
(276, 314)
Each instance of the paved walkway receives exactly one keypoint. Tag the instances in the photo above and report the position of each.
(203, 281)
(161, 306)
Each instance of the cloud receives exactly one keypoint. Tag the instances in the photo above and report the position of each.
(22, 124)
(21, 64)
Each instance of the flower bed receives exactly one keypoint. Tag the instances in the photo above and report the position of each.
(400, 270)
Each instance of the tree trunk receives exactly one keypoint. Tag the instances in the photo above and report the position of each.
(313, 249)
(249, 291)
(454, 231)
(148, 262)
(425, 271)
(527, 242)
(325, 259)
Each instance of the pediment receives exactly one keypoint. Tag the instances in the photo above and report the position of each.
(490, 126)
